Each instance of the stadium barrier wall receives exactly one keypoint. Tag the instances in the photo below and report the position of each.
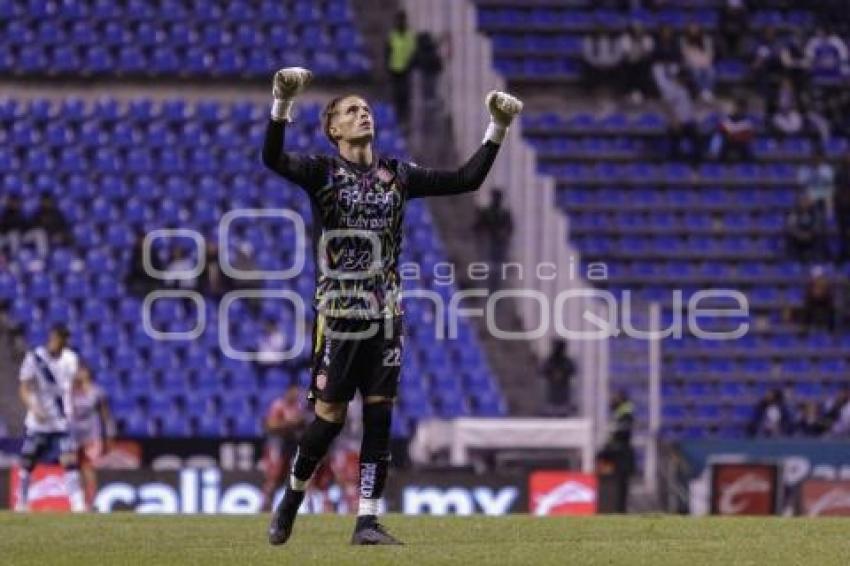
(797, 462)
(460, 437)
(824, 498)
(540, 234)
(213, 491)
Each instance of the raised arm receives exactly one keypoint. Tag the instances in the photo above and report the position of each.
(423, 182)
(302, 170)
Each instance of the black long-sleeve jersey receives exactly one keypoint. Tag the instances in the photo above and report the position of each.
(359, 212)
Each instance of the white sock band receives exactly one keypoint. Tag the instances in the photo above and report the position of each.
(23, 486)
(495, 133)
(297, 485)
(367, 507)
(75, 491)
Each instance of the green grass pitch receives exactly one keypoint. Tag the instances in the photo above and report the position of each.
(128, 539)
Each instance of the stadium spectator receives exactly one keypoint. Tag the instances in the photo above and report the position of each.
(283, 425)
(698, 56)
(12, 218)
(243, 260)
(733, 139)
(558, 370)
(667, 49)
(428, 62)
(817, 107)
(786, 119)
(49, 218)
(399, 52)
(271, 346)
(809, 421)
(683, 129)
(178, 269)
(795, 65)
(827, 52)
(767, 64)
(138, 281)
(734, 27)
(637, 46)
(841, 208)
(838, 113)
(818, 181)
(495, 224)
(213, 281)
(601, 55)
(805, 231)
(818, 310)
(771, 416)
(838, 414)
(618, 455)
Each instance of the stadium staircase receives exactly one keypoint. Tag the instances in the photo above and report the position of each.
(662, 225)
(513, 361)
(433, 145)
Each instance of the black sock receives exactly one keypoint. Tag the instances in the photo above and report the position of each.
(315, 443)
(293, 497)
(374, 457)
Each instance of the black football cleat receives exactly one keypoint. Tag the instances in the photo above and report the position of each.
(372, 533)
(283, 518)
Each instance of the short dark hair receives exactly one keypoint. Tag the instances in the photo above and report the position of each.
(61, 330)
(83, 365)
(330, 111)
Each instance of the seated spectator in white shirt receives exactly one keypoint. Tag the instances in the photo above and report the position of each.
(698, 56)
(601, 55)
(827, 52)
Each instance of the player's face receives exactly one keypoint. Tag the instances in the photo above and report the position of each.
(55, 342)
(353, 121)
(81, 379)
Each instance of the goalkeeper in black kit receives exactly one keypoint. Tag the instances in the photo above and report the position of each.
(358, 199)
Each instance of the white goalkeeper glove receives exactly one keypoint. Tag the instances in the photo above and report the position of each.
(287, 84)
(502, 108)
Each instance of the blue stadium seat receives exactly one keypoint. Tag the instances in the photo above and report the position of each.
(175, 426)
(139, 180)
(134, 424)
(246, 425)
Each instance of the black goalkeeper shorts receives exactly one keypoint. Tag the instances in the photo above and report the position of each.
(355, 355)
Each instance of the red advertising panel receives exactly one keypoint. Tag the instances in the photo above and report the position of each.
(744, 489)
(554, 492)
(825, 498)
(46, 489)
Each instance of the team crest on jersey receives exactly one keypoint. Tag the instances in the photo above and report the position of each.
(321, 380)
(344, 175)
(384, 175)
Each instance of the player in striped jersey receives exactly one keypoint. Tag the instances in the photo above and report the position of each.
(46, 376)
